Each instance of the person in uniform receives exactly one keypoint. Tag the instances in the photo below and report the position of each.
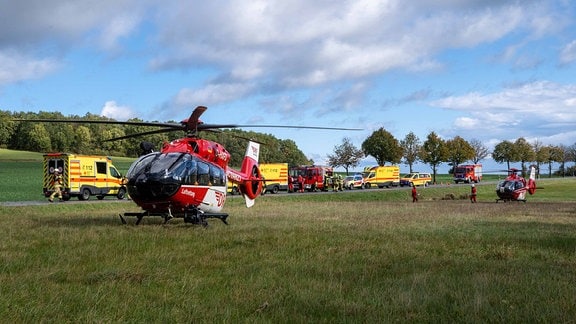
(58, 184)
(473, 193)
(300, 183)
(414, 194)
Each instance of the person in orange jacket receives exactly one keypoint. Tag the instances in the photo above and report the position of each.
(414, 194)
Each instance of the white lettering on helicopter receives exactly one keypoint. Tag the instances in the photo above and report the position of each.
(222, 156)
(234, 177)
(188, 193)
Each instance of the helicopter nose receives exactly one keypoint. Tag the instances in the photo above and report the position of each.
(152, 190)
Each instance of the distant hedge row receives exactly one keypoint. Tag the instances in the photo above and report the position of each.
(85, 138)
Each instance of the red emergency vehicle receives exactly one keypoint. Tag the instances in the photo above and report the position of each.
(468, 173)
(316, 177)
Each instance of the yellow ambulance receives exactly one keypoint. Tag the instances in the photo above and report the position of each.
(83, 176)
(275, 176)
(381, 176)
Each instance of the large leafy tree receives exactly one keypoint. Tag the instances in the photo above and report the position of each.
(411, 147)
(480, 150)
(433, 152)
(82, 140)
(6, 128)
(504, 152)
(555, 154)
(383, 147)
(524, 153)
(345, 155)
(571, 156)
(39, 138)
(458, 150)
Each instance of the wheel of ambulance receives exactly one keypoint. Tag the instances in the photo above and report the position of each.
(275, 189)
(85, 195)
(121, 193)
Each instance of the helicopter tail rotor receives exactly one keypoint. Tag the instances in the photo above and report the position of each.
(252, 186)
(532, 181)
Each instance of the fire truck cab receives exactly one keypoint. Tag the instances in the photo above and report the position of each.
(468, 173)
(316, 177)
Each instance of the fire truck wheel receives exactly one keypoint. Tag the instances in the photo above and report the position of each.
(85, 195)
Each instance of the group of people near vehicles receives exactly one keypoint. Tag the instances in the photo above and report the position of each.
(298, 184)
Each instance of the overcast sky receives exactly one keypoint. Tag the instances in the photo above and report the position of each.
(482, 69)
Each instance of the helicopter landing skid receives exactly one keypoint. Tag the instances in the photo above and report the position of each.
(507, 200)
(193, 216)
(197, 216)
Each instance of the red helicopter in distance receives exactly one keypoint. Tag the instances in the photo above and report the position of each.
(515, 187)
(187, 178)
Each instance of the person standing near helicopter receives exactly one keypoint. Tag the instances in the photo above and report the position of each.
(414, 194)
(472, 193)
(58, 184)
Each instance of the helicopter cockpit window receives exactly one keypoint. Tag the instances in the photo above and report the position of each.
(165, 162)
(191, 173)
(139, 166)
(217, 176)
(203, 174)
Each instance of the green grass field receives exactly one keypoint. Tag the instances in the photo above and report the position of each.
(360, 256)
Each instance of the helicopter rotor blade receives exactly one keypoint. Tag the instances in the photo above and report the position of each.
(297, 127)
(108, 122)
(219, 126)
(157, 131)
(191, 124)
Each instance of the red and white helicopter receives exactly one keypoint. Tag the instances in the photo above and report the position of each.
(515, 187)
(187, 178)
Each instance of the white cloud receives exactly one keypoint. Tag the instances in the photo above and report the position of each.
(312, 43)
(211, 94)
(15, 67)
(112, 110)
(537, 109)
(117, 28)
(568, 53)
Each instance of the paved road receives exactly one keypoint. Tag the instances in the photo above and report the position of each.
(113, 200)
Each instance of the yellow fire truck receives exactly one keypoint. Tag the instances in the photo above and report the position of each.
(83, 176)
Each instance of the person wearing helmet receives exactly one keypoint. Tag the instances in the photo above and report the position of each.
(472, 193)
(58, 183)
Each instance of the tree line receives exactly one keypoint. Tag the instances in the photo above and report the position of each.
(385, 148)
(85, 138)
(82, 138)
